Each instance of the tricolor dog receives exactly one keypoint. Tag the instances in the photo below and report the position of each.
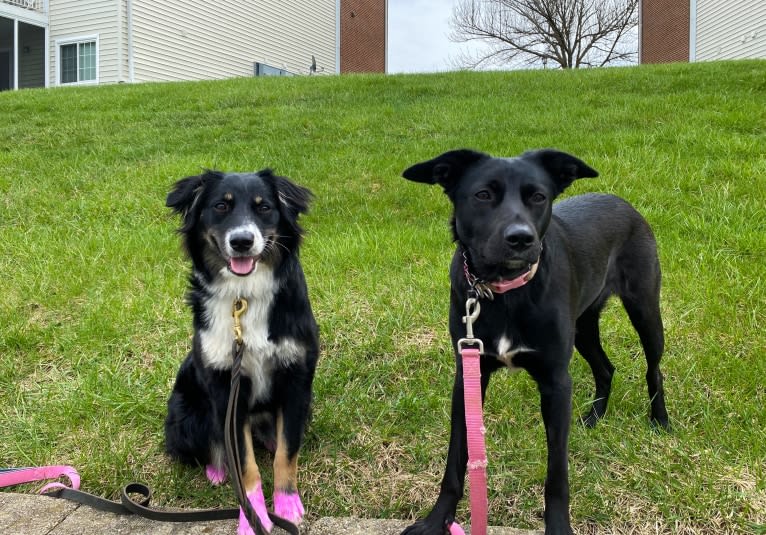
(542, 274)
(242, 235)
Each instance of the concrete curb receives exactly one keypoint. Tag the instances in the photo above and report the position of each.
(25, 514)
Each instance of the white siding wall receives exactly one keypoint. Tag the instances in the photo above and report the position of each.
(198, 39)
(730, 29)
(73, 18)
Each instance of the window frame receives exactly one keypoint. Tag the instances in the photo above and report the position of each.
(264, 69)
(77, 40)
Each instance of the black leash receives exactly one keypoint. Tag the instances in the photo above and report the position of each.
(129, 506)
(231, 444)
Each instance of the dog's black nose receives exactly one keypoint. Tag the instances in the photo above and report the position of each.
(241, 241)
(519, 237)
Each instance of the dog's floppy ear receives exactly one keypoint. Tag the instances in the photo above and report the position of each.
(185, 194)
(182, 196)
(562, 167)
(444, 169)
(293, 199)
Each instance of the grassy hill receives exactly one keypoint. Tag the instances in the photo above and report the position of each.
(93, 324)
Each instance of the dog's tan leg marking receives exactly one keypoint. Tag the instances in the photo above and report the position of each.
(285, 468)
(251, 475)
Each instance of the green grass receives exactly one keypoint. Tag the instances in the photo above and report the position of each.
(94, 326)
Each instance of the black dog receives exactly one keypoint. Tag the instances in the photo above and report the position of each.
(563, 263)
(242, 234)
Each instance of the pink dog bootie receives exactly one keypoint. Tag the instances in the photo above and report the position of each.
(288, 505)
(259, 504)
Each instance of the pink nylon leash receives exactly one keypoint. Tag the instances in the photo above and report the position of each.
(470, 353)
(477, 453)
(17, 476)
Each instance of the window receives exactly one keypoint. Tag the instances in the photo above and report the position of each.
(78, 60)
(261, 69)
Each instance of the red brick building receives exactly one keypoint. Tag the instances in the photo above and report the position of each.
(363, 35)
(664, 31)
(701, 30)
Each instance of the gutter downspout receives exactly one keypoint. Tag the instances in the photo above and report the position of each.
(131, 63)
(337, 36)
(692, 30)
(120, 77)
(385, 38)
(640, 29)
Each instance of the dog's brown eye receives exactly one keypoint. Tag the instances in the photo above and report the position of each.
(221, 207)
(483, 195)
(537, 197)
(264, 208)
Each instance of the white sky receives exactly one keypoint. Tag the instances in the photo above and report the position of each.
(417, 36)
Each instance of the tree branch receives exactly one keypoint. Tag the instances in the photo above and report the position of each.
(572, 33)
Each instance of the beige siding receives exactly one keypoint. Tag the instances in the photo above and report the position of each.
(74, 18)
(730, 29)
(197, 39)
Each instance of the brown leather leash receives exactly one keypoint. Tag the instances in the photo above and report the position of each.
(130, 506)
(230, 435)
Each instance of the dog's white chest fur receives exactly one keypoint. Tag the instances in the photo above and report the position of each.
(260, 353)
(506, 352)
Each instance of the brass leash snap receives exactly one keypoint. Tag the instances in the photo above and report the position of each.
(240, 307)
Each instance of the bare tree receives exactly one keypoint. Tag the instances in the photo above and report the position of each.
(568, 33)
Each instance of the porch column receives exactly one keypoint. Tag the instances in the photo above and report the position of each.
(15, 53)
(47, 46)
(47, 60)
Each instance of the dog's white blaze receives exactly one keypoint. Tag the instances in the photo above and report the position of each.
(506, 352)
(259, 243)
(260, 353)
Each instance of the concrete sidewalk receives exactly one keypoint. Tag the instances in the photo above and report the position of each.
(26, 514)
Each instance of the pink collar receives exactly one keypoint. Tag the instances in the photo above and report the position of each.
(503, 286)
(488, 289)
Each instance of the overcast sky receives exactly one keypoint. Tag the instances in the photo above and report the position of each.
(417, 36)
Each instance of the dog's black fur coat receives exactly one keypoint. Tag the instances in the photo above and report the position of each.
(251, 219)
(586, 248)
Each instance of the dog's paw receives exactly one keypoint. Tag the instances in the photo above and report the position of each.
(288, 505)
(215, 475)
(661, 425)
(259, 504)
(422, 527)
(560, 527)
(590, 420)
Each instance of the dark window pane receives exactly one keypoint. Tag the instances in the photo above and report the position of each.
(68, 63)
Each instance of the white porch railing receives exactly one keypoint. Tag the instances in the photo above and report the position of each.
(34, 5)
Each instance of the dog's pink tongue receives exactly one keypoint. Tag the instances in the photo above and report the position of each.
(242, 265)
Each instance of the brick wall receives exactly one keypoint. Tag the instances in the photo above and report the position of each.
(664, 31)
(362, 36)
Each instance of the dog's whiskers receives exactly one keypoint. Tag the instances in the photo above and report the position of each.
(274, 242)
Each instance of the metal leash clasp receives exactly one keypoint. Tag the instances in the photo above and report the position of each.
(240, 307)
(472, 310)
